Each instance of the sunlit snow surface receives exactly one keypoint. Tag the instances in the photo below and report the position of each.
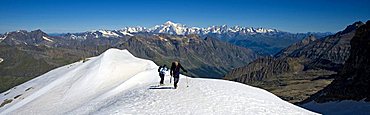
(116, 82)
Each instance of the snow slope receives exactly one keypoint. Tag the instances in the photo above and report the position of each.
(116, 82)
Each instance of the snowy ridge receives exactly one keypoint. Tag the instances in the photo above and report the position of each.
(178, 29)
(116, 82)
(134, 29)
(108, 33)
(126, 33)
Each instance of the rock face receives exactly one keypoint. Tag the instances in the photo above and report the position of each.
(264, 69)
(353, 81)
(330, 52)
(308, 62)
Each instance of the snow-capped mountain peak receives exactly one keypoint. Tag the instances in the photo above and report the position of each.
(169, 23)
(170, 28)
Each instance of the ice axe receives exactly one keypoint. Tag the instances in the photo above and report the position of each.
(187, 82)
(170, 78)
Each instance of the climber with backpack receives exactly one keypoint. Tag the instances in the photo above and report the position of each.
(175, 72)
(162, 71)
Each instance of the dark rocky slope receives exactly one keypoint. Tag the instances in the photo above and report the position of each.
(353, 81)
(300, 69)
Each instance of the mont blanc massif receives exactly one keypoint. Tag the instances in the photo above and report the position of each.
(227, 70)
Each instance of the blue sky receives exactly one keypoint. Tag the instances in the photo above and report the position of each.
(60, 16)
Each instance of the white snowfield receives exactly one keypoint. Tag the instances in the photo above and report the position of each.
(116, 82)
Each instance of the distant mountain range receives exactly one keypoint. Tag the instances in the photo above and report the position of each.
(264, 41)
(174, 29)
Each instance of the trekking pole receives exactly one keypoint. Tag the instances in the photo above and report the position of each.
(187, 82)
(170, 78)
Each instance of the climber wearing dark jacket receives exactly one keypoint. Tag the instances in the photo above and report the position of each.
(175, 72)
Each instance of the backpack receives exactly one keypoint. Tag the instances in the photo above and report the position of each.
(163, 70)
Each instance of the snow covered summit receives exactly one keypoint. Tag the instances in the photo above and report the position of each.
(116, 82)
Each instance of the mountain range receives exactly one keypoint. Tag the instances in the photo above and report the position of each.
(178, 29)
(264, 41)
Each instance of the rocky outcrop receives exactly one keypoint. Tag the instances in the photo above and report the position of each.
(329, 46)
(353, 81)
(330, 52)
(264, 69)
